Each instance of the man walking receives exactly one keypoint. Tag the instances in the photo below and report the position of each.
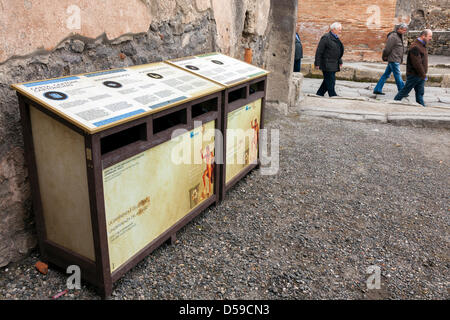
(393, 53)
(298, 53)
(416, 68)
(329, 59)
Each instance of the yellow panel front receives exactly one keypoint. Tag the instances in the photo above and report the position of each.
(242, 138)
(147, 194)
(63, 185)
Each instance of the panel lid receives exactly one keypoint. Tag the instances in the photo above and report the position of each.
(220, 68)
(100, 100)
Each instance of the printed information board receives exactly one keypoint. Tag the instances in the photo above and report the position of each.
(220, 68)
(99, 99)
(242, 138)
(147, 194)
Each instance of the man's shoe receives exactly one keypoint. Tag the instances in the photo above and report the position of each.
(377, 92)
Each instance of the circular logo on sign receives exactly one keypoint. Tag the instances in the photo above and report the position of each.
(192, 67)
(112, 84)
(216, 61)
(155, 75)
(55, 95)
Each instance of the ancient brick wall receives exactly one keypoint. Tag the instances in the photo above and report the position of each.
(365, 25)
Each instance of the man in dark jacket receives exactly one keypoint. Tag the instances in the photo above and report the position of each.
(329, 59)
(416, 68)
(393, 53)
(298, 53)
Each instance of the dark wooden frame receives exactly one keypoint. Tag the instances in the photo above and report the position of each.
(98, 272)
(229, 107)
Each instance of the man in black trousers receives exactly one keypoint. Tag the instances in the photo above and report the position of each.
(298, 52)
(329, 59)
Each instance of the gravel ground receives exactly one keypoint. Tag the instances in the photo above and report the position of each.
(348, 195)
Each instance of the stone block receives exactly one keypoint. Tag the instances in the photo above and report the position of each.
(346, 73)
(77, 46)
(367, 75)
(445, 81)
(306, 68)
(295, 89)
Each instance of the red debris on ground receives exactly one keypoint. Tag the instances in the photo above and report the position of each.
(41, 267)
(56, 296)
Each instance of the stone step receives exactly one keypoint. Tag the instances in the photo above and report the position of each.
(367, 109)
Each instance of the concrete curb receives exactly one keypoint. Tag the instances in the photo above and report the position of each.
(362, 109)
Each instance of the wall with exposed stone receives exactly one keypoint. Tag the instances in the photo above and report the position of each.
(30, 25)
(439, 45)
(428, 14)
(432, 14)
(42, 39)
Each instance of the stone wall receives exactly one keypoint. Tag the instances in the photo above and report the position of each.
(433, 14)
(440, 45)
(47, 39)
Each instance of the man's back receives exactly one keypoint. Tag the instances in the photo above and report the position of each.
(298, 47)
(417, 61)
(394, 47)
(329, 53)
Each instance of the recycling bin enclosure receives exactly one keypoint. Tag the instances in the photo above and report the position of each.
(243, 103)
(119, 161)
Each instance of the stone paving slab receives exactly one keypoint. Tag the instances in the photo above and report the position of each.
(363, 109)
(434, 96)
(438, 73)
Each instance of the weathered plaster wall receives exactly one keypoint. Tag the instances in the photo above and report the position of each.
(248, 19)
(28, 25)
(47, 38)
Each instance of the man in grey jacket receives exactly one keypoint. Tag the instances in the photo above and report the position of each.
(393, 54)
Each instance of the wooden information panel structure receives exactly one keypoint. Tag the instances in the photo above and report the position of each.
(243, 102)
(117, 163)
